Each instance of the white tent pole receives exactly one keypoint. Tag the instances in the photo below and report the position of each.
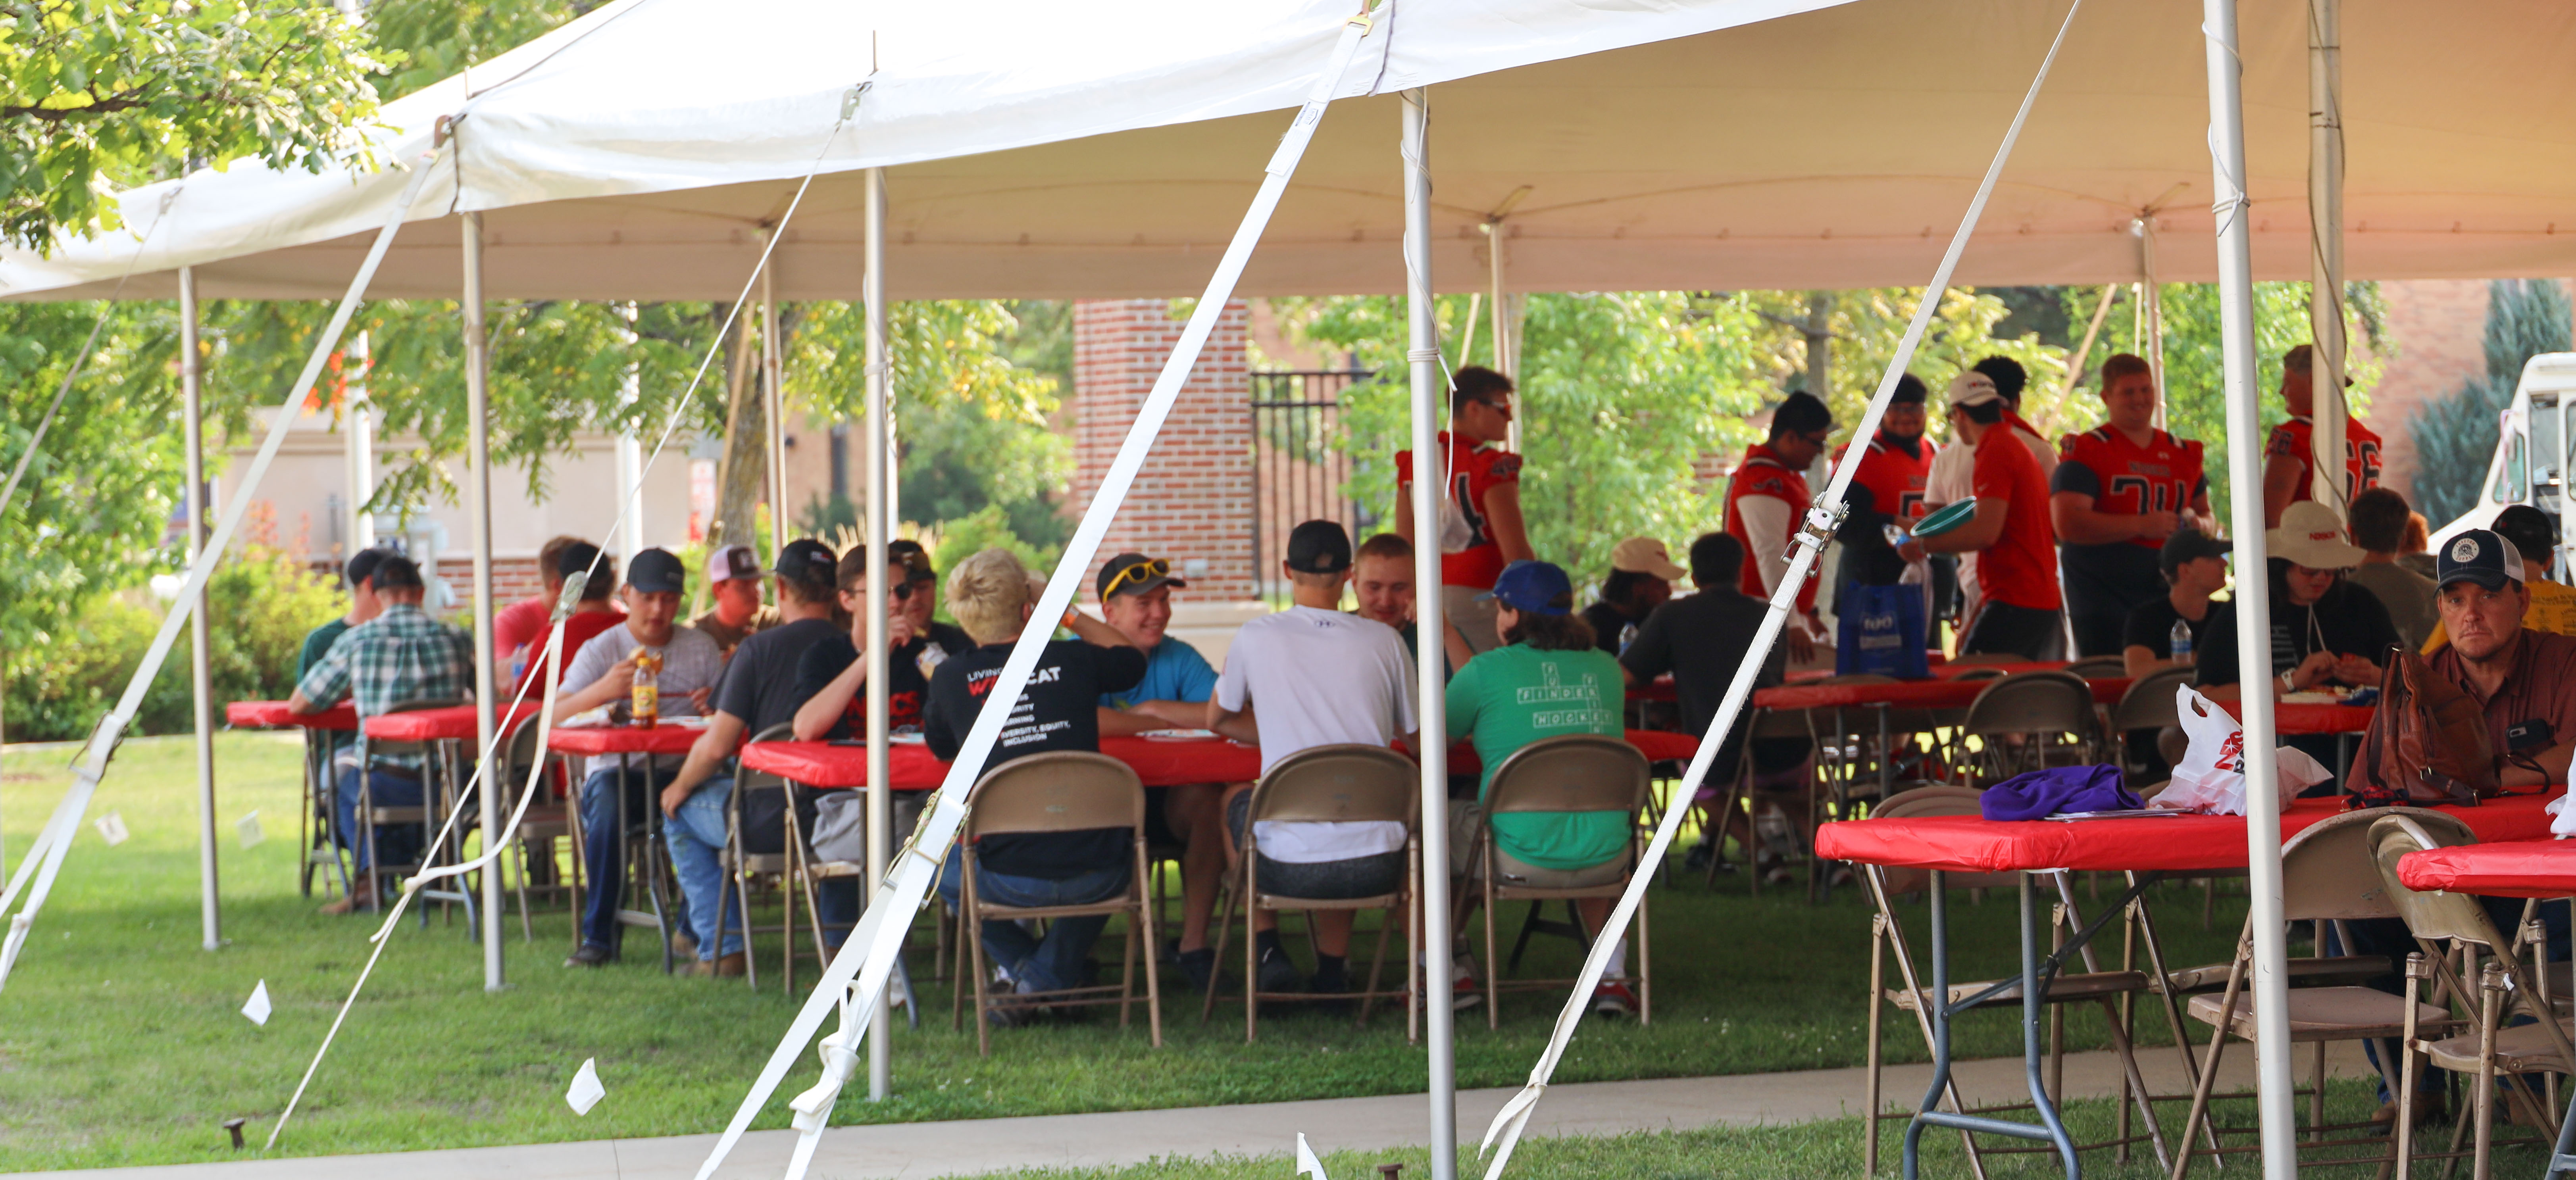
(478, 518)
(775, 404)
(1424, 339)
(2150, 332)
(2253, 592)
(630, 453)
(876, 535)
(358, 443)
(200, 670)
(2325, 249)
(1502, 360)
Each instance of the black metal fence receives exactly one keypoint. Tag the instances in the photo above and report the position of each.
(1302, 465)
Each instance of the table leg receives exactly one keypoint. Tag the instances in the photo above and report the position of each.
(1886, 755)
(2034, 1006)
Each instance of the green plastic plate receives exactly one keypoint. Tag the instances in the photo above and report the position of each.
(1950, 516)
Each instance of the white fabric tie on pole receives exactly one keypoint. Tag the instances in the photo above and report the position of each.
(45, 858)
(857, 975)
(1807, 550)
(2253, 593)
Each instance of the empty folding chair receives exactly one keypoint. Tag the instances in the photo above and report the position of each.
(2027, 721)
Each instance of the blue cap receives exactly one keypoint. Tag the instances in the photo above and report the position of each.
(1533, 587)
(2478, 556)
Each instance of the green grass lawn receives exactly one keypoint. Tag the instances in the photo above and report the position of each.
(121, 1041)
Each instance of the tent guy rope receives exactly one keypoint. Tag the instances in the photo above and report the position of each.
(1807, 548)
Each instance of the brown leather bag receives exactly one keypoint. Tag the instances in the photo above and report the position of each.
(2427, 745)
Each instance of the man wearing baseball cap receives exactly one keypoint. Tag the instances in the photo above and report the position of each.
(1641, 578)
(2019, 608)
(2194, 565)
(1316, 677)
(2526, 679)
(733, 580)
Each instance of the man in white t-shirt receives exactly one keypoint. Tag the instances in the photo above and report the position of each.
(602, 673)
(1317, 677)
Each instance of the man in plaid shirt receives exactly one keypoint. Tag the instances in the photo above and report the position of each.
(399, 657)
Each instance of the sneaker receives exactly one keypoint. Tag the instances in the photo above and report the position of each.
(1613, 1000)
(1464, 992)
(590, 955)
(1199, 966)
(725, 967)
(684, 945)
(1327, 985)
(1276, 974)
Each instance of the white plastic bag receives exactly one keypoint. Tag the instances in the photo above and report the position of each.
(2211, 779)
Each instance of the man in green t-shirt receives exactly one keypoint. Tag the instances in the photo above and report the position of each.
(1548, 679)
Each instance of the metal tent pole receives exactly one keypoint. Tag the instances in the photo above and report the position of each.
(358, 444)
(2253, 608)
(876, 536)
(478, 516)
(2325, 249)
(200, 666)
(1429, 712)
(775, 402)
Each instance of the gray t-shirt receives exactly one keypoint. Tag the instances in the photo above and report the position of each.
(690, 661)
(2409, 597)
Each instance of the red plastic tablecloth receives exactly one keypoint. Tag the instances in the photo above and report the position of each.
(1905, 694)
(435, 725)
(624, 739)
(274, 715)
(2189, 843)
(2311, 717)
(1158, 763)
(2516, 868)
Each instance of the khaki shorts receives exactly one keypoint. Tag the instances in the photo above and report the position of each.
(1472, 619)
(1467, 833)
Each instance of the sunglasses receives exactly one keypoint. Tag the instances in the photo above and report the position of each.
(1137, 574)
(1503, 408)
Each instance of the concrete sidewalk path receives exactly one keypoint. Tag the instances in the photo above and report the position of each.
(921, 1151)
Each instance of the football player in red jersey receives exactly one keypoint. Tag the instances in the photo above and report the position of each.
(2121, 488)
(1481, 529)
(1889, 488)
(2290, 454)
(1767, 499)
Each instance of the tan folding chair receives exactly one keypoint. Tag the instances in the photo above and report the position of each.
(1064, 791)
(426, 815)
(1765, 724)
(1560, 776)
(2099, 667)
(548, 819)
(2506, 988)
(2327, 876)
(1333, 784)
(2050, 711)
(1887, 937)
(745, 868)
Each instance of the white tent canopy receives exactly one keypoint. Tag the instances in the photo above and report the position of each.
(1050, 150)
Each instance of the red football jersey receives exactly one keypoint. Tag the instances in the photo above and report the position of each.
(1472, 473)
(2132, 480)
(1895, 479)
(1763, 474)
(2292, 439)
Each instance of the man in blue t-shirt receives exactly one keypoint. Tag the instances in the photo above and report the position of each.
(1136, 598)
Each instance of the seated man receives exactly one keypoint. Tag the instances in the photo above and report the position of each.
(399, 657)
(603, 673)
(991, 594)
(1382, 581)
(1136, 598)
(363, 606)
(733, 580)
(832, 678)
(1317, 677)
(1641, 578)
(2195, 568)
(2553, 604)
(519, 629)
(1700, 639)
(591, 617)
(2379, 517)
(757, 691)
(1547, 680)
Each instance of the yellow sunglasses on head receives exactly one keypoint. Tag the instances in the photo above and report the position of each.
(1139, 573)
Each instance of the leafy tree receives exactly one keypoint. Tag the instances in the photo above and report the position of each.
(1868, 324)
(425, 41)
(2456, 435)
(97, 93)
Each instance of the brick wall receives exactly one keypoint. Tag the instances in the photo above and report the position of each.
(512, 580)
(1192, 502)
(2439, 329)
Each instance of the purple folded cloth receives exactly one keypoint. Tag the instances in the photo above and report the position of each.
(2058, 791)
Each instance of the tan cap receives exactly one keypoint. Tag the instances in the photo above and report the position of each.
(2312, 535)
(1973, 388)
(1645, 555)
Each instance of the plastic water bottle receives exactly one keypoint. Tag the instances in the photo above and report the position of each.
(2180, 640)
(1627, 635)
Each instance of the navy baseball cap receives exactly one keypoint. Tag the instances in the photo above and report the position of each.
(803, 555)
(2478, 556)
(1534, 588)
(657, 571)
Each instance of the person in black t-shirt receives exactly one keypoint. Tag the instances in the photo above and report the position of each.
(2195, 567)
(992, 595)
(830, 676)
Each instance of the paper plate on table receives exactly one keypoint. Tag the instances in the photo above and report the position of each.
(1179, 735)
(1948, 517)
(909, 739)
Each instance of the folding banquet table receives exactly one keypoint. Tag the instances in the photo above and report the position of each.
(2150, 847)
(314, 827)
(1159, 762)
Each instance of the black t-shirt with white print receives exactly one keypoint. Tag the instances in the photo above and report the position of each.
(1058, 711)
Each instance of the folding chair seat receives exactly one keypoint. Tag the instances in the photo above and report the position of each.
(2506, 988)
(2099, 667)
(1765, 725)
(1064, 791)
(425, 815)
(1887, 937)
(548, 819)
(2327, 876)
(2040, 708)
(749, 859)
(808, 871)
(1344, 784)
(1559, 776)
(2147, 705)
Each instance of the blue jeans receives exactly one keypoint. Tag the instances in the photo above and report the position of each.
(395, 843)
(604, 845)
(696, 837)
(1051, 963)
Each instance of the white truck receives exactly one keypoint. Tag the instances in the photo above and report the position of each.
(2533, 455)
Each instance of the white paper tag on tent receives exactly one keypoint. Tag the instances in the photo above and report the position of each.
(1307, 1164)
(586, 1090)
(248, 827)
(257, 1009)
(111, 828)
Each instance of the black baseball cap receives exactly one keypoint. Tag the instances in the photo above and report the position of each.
(362, 565)
(2187, 545)
(1138, 582)
(2479, 556)
(657, 571)
(913, 558)
(802, 556)
(1319, 547)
